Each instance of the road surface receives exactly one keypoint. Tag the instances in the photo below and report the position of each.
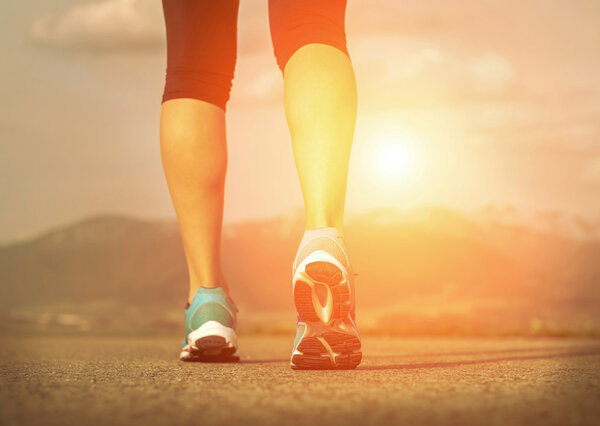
(435, 381)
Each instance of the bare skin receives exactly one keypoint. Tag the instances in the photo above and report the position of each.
(194, 155)
(320, 106)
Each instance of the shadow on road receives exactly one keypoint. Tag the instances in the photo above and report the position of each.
(569, 354)
(262, 361)
(486, 352)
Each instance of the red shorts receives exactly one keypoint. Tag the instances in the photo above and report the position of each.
(201, 41)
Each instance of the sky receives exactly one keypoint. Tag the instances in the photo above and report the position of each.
(464, 104)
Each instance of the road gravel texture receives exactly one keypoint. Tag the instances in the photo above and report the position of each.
(434, 381)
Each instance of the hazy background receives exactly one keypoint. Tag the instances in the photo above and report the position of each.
(489, 209)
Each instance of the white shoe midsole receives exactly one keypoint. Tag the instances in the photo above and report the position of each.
(213, 328)
(321, 256)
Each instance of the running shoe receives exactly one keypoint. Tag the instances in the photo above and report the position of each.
(210, 322)
(323, 285)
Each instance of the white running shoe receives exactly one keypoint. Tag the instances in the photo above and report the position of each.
(327, 337)
(210, 322)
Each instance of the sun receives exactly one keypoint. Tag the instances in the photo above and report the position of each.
(395, 157)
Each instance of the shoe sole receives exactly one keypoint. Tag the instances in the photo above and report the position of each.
(330, 340)
(212, 342)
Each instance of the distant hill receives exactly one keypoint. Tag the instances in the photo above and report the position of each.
(428, 270)
(104, 257)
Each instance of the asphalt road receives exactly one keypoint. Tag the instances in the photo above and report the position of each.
(125, 381)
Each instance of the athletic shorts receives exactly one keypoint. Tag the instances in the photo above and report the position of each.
(202, 41)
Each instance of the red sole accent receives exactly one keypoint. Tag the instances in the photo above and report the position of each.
(330, 275)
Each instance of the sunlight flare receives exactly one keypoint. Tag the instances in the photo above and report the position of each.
(395, 157)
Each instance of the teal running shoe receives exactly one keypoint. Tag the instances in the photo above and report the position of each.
(210, 322)
(323, 286)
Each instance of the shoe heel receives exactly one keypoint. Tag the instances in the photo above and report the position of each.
(213, 339)
(330, 350)
(324, 272)
(316, 273)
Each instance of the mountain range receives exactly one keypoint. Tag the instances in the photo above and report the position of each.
(425, 270)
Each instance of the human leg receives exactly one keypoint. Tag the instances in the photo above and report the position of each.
(201, 54)
(320, 103)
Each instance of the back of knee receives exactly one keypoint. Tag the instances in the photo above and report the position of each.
(187, 81)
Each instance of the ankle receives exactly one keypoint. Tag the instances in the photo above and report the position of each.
(329, 239)
(323, 220)
(194, 288)
(322, 231)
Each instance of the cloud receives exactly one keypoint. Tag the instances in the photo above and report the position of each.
(493, 73)
(257, 80)
(103, 26)
(591, 173)
(410, 59)
(419, 70)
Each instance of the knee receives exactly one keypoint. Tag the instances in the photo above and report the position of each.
(295, 23)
